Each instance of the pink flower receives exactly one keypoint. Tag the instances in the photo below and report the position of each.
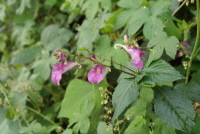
(183, 49)
(61, 68)
(97, 74)
(135, 54)
(185, 43)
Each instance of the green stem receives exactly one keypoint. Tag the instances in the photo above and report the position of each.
(179, 8)
(38, 113)
(196, 43)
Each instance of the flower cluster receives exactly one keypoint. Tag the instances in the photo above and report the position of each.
(97, 74)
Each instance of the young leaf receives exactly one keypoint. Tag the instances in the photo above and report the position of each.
(161, 42)
(160, 72)
(191, 90)
(103, 128)
(174, 108)
(125, 93)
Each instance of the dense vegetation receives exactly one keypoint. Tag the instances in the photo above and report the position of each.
(99, 66)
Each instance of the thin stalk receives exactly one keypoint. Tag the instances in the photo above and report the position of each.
(179, 8)
(106, 65)
(38, 113)
(196, 43)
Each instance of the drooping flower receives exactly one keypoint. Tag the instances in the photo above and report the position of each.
(97, 74)
(61, 68)
(135, 54)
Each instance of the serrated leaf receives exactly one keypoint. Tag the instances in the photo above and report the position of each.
(26, 55)
(125, 93)
(139, 17)
(174, 108)
(160, 72)
(152, 27)
(139, 109)
(162, 128)
(191, 90)
(54, 37)
(103, 128)
(160, 43)
(160, 7)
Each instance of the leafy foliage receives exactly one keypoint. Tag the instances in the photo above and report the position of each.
(35, 35)
(125, 93)
(174, 108)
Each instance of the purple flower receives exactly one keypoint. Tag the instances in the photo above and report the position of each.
(135, 54)
(61, 68)
(184, 49)
(185, 43)
(97, 74)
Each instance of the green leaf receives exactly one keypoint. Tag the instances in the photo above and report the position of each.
(132, 129)
(125, 93)
(90, 7)
(122, 18)
(26, 55)
(42, 68)
(23, 5)
(89, 30)
(160, 7)
(54, 37)
(67, 131)
(174, 108)
(162, 128)
(191, 90)
(103, 128)
(80, 118)
(77, 92)
(197, 124)
(138, 18)
(2, 12)
(139, 108)
(160, 72)
(103, 50)
(161, 42)
(152, 27)
(130, 3)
